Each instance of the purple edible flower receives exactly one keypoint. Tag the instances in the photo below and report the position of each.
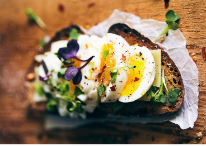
(75, 73)
(46, 77)
(70, 51)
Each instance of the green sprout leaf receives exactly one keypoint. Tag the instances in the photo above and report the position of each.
(61, 72)
(78, 91)
(172, 95)
(117, 68)
(63, 88)
(74, 34)
(170, 23)
(117, 106)
(39, 89)
(33, 17)
(131, 67)
(105, 53)
(51, 105)
(170, 15)
(113, 76)
(76, 107)
(42, 43)
(100, 90)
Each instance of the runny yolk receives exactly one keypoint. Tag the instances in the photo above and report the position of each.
(107, 63)
(134, 76)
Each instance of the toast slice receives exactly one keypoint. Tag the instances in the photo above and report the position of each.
(137, 108)
(172, 77)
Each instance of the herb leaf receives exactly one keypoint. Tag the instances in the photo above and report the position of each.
(51, 105)
(33, 17)
(74, 34)
(170, 23)
(131, 67)
(117, 106)
(113, 76)
(172, 95)
(78, 91)
(100, 90)
(170, 15)
(105, 53)
(39, 89)
(77, 107)
(63, 88)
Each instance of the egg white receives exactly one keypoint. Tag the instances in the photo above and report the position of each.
(148, 75)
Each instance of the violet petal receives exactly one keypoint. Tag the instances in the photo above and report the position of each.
(70, 73)
(77, 79)
(70, 51)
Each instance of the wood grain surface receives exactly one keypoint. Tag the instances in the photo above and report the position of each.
(19, 43)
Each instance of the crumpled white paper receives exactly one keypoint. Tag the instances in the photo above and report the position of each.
(175, 46)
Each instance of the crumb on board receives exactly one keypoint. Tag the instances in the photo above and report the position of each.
(30, 76)
(199, 135)
(87, 26)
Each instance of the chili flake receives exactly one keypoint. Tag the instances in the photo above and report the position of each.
(123, 57)
(113, 88)
(136, 79)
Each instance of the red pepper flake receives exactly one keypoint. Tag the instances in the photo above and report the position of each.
(99, 75)
(61, 8)
(123, 57)
(91, 5)
(204, 53)
(136, 79)
(113, 88)
(161, 48)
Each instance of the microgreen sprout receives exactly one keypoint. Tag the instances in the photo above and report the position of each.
(105, 53)
(117, 68)
(74, 34)
(75, 73)
(33, 17)
(170, 23)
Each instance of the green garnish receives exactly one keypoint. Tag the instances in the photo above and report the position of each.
(100, 91)
(51, 105)
(105, 53)
(39, 89)
(116, 68)
(172, 95)
(42, 42)
(171, 24)
(74, 34)
(117, 106)
(157, 96)
(78, 91)
(114, 76)
(63, 88)
(61, 72)
(75, 107)
(33, 17)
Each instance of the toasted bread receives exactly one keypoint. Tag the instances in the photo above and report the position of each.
(172, 77)
(136, 108)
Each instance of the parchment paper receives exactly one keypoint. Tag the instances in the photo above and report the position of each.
(175, 46)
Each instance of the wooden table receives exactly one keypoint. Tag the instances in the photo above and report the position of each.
(19, 43)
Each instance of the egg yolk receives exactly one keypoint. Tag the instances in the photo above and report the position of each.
(134, 75)
(107, 63)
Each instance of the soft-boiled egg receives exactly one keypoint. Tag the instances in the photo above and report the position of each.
(130, 84)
